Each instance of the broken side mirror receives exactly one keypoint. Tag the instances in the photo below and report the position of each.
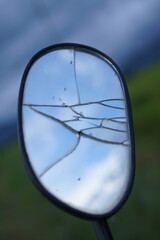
(76, 132)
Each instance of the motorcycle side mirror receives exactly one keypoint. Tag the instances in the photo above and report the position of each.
(75, 131)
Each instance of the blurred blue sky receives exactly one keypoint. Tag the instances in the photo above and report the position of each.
(127, 31)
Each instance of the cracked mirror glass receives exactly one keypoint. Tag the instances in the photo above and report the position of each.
(76, 129)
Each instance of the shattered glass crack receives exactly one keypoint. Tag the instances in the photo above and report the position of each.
(80, 117)
(86, 119)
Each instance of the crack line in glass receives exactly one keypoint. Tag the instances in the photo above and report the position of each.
(79, 132)
(74, 105)
(75, 76)
(58, 160)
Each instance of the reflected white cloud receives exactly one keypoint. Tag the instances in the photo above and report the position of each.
(105, 185)
(91, 184)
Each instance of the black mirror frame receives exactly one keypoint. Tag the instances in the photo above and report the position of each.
(27, 164)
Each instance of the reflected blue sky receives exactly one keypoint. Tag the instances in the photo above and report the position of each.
(48, 81)
(89, 167)
(45, 139)
(47, 73)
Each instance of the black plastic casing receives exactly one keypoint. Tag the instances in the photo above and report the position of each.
(28, 166)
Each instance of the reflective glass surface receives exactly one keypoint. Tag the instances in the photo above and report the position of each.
(76, 129)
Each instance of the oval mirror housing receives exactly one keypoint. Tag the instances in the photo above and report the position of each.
(75, 129)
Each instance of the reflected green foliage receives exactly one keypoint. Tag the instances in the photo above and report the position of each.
(26, 214)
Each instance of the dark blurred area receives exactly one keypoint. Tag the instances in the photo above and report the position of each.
(128, 32)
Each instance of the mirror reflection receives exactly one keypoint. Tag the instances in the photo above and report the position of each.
(76, 130)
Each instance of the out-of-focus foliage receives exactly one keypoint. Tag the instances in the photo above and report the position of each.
(139, 218)
(144, 91)
(26, 214)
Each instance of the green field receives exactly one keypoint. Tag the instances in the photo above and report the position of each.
(26, 214)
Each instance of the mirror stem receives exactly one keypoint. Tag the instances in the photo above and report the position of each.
(102, 230)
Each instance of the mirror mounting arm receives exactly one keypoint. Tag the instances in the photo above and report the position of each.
(102, 230)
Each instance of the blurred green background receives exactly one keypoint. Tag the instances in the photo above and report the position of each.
(26, 214)
(127, 31)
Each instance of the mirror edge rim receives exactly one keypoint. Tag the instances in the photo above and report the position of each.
(36, 182)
